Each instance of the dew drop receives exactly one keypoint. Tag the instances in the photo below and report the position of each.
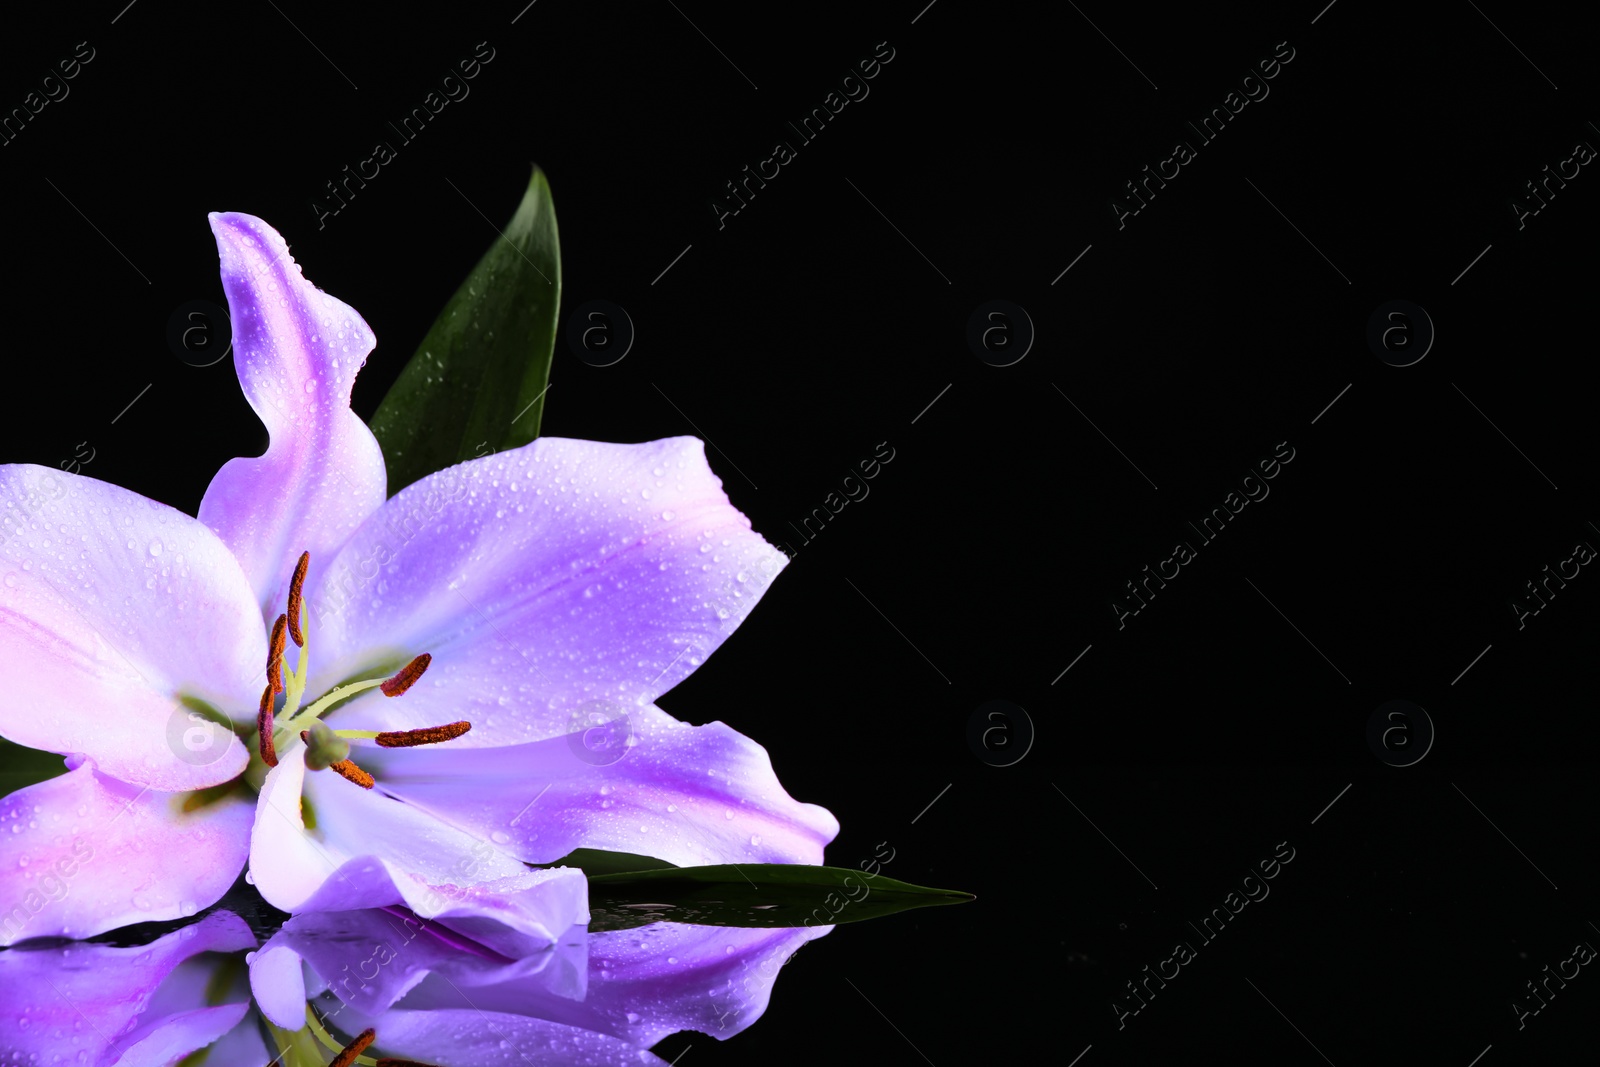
(500, 837)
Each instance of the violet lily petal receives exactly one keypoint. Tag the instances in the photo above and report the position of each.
(689, 795)
(472, 1038)
(720, 983)
(546, 580)
(189, 985)
(243, 1045)
(177, 1035)
(277, 981)
(437, 871)
(75, 1003)
(297, 351)
(188, 1011)
(90, 853)
(648, 982)
(112, 606)
(374, 956)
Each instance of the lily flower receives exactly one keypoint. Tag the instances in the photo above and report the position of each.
(475, 663)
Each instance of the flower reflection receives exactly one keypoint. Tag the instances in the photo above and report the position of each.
(382, 987)
(96, 1004)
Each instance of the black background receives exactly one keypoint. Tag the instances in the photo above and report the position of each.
(824, 318)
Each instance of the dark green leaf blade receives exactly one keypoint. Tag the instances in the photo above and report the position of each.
(476, 382)
(596, 862)
(20, 767)
(753, 895)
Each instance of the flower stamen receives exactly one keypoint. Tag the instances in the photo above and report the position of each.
(354, 1048)
(348, 1054)
(269, 751)
(351, 773)
(407, 676)
(327, 749)
(275, 655)
(296, 604)
(428, 735)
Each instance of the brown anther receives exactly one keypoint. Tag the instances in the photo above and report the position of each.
(351, 773)
(354, 1048)
(269, 753)
(407, 677)
(428, 735)
(296, 584)
(275, 655)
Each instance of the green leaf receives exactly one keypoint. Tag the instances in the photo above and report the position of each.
(753, 895)
(476, 383)
(21, 766)
(595, 862)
